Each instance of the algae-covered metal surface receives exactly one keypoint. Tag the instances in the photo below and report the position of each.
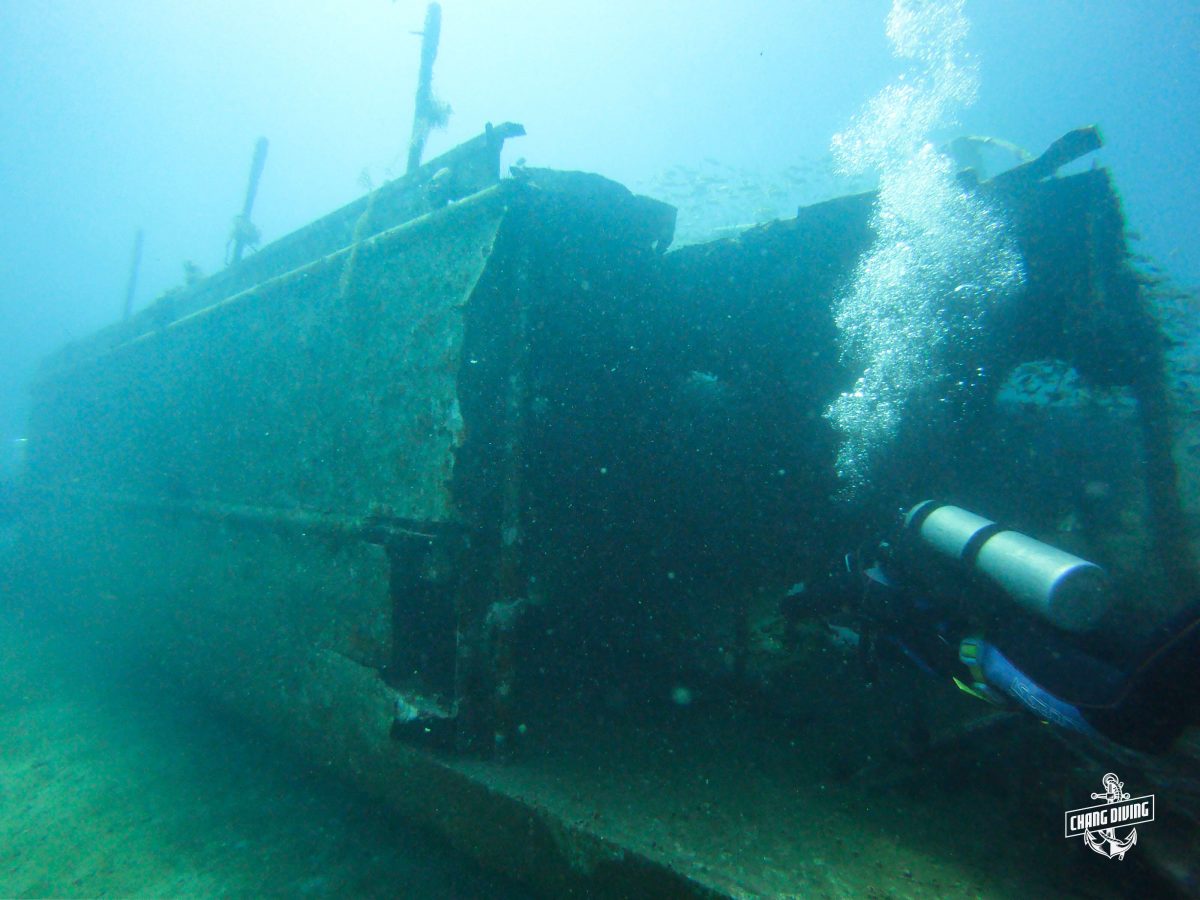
(488, 471)
(330, 389)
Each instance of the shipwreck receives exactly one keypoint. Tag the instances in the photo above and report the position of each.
(478, 495)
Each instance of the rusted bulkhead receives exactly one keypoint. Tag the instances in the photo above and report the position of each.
(470, 451)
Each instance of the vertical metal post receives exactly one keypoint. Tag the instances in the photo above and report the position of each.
(244, 233)
(429, 112)
(134, 264)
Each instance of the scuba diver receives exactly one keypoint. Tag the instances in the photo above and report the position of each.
(906, 596)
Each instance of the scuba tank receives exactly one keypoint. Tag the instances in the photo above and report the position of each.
(1057, 586)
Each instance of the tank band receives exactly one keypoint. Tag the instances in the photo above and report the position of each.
(975, 543)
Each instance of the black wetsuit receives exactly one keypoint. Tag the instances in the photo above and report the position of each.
(1160, 695)
(1143, 704)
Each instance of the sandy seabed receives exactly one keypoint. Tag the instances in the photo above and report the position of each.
(110, 788)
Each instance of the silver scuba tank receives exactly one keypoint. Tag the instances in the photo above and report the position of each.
(1070, 592)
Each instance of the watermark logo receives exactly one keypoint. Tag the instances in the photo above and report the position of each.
(1098, 825)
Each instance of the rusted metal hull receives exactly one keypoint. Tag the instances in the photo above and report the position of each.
(403, 500)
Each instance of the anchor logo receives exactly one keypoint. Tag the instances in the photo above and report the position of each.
(1105, 841)
(1098, 824)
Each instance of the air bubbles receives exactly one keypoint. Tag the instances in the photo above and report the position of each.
(940, 256)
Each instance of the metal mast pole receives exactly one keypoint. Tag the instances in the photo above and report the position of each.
(429, 112)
